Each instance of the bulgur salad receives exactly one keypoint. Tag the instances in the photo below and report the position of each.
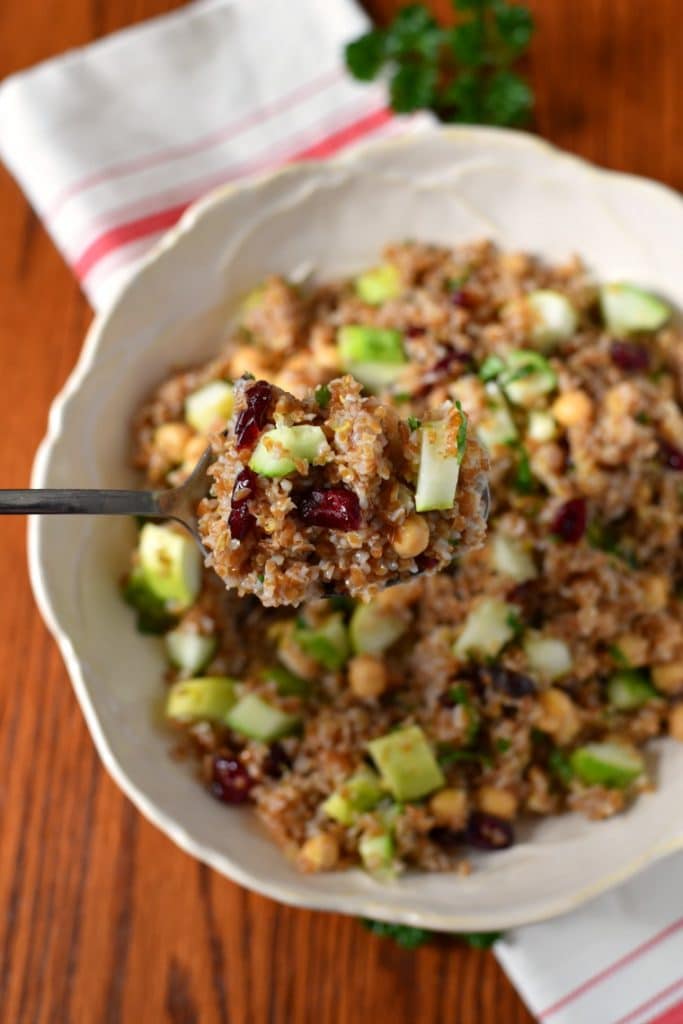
(335, 493)
(525, 678)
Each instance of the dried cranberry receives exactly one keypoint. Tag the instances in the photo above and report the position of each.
(230, 780)
(512, 684)
(529, 597)
(442, 369)
(240, 520)
(465, 298)
(335, 508)
(425, 563)
(276, 761)
(449, 838)
(254, 416)
(570, 520)
(672, 457)
(488, 832)
(629, 357)
(413, 331)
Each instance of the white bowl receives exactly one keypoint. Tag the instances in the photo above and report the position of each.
(445, 186)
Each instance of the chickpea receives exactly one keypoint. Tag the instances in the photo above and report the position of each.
(668, 678)
(250, 360)
(319, 853)
(193, 451)
(656, 593)
(449, 807)
(634, 648)
(559, 715)
(411, 537)
(676, 722)
(324, 348)
(293, 658)
(367, 676)
(500, 802)
(573, 408)
(170, 439)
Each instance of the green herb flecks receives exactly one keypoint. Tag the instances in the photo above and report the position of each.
(461, 440)
(322, 396)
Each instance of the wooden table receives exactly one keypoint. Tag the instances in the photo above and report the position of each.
(102, 919)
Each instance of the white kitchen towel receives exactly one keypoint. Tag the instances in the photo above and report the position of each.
(111, 143)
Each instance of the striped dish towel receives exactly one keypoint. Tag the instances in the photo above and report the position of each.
(111, 143)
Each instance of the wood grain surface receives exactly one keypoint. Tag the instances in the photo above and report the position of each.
(102, 919)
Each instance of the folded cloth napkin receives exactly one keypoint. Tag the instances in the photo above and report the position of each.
(111, 143)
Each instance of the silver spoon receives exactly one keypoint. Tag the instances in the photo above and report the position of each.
(179, 503)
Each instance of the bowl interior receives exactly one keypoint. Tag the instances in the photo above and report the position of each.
(329, 219)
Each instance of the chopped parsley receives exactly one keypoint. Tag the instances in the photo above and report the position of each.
(461, 440)
(560, 766)
(503, 745)
(322, 396)
(414, 423)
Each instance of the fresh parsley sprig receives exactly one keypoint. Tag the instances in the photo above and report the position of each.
(461, 73)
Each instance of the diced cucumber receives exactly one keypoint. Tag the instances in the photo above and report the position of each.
(542, 426)
(171, 565)
(496, 427)
(488, 627)
(210, 406)
(189, 652)
(361, 793)
(153, 615)
(491, 368)
(374, 629)
(379, 284)
(254, 717)
(627, 309)
(378, 854)
(528, 377)
(607, 764)
(511, 557)
(359, 343)
(554, 317)
(629, 689)
(287, 683)
(375, 356)
(549, 656)
(209, 699)
(407, 763)
(328, 643)
(441, 453)
(279, 450)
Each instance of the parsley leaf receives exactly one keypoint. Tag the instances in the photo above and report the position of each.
(412, 88)
(322, 396)
(414, 423)
(480, 940)
(507, 100)
(403, 935)
(365, 55)
(462, 73)
(409, 937)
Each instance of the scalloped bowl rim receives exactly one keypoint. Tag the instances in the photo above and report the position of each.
(289, 894)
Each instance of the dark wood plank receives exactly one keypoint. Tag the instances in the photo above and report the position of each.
(101, 918)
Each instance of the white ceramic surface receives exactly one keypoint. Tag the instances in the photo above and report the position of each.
(445, 186)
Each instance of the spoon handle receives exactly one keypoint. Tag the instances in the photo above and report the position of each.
(69, 502)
